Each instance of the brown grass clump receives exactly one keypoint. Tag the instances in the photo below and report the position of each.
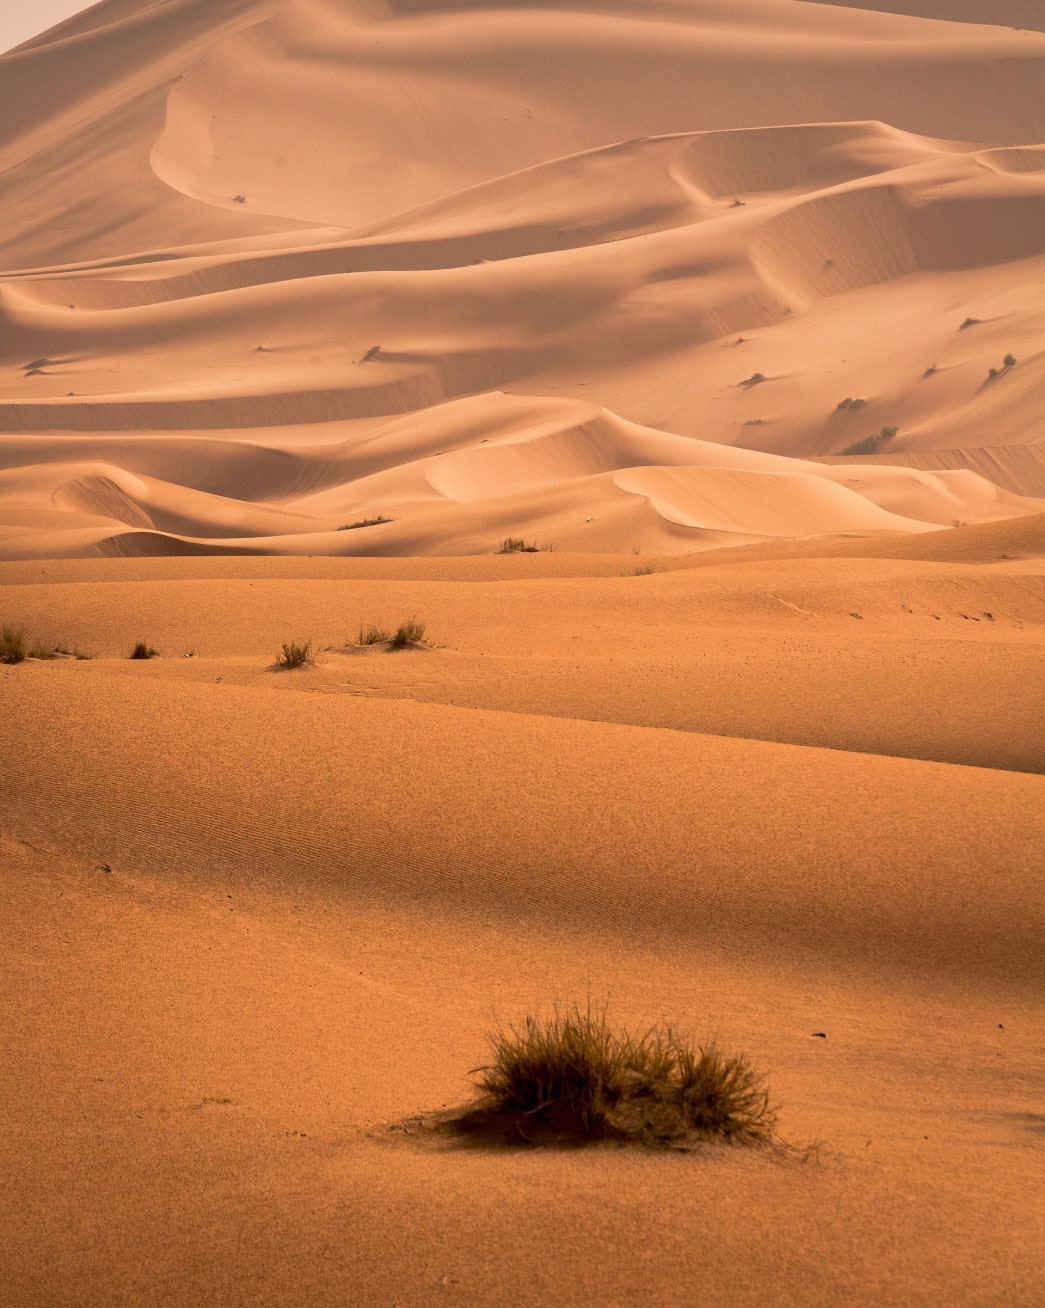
(143, 650)
(12, 645)
(372, 635)
(410, 632)
(573, 1074)
(295, 655)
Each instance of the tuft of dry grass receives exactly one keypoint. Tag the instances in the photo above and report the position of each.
(143, 650)
(12, 645)
(410, 632)
(295, 655)
(572, 1071)
(372, 635)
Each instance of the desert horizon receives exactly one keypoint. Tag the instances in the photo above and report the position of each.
(511, 510)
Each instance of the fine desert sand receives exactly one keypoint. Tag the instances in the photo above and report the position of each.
(731, 313)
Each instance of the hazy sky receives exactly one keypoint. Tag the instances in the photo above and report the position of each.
(21, 19)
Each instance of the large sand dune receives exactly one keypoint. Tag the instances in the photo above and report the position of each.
(305, 307)
(299, 221)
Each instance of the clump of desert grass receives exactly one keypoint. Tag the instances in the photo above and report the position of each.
(12, 645)
(143, 650)
(295, 654)
(15, 649)
(410, 632)
(371, 634)
(574, 1076)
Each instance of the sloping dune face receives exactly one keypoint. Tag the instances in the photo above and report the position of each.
(608, 276)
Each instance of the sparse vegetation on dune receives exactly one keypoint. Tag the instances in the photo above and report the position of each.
(295, 655)
(516, 545)
(870, 444)
(12, 645)
(1008, 362)
(573, 1074)
(143, 650)
(365, 522)
(410, 632)
(14, 649)
(372, 635)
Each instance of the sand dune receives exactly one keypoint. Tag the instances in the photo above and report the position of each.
(728, 268)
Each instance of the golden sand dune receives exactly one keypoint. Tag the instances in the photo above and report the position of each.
(306, 308)
(301, 218)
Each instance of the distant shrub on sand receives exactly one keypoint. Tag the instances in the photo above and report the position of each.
(969, 322)
(870, 444)
(753, 380)
(12, 645)
(372, 635)
(144, 651)
(295, 655)
(848, 403)
(516, 545)
(1008, 362)
(410, 632)
(574, 1075)
(364, 522)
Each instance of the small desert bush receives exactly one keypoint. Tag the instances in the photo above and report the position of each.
(372, 635)
(644, 570)
(573, 1072)
(12, 645)
(870, 444)
(144, 651)
(364, 522)
(1008, 362)
(516, 545)
(410, 632)
(295, 655)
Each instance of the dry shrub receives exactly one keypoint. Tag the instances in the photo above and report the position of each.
(574, 1073)
(410, 632)
(295, 655)
(12, 645)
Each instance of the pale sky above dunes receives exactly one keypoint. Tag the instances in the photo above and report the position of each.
(22, 19)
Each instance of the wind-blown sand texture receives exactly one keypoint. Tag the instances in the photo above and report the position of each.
(620, 278)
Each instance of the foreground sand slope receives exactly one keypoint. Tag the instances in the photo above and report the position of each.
(807, 255)
(256, 919)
